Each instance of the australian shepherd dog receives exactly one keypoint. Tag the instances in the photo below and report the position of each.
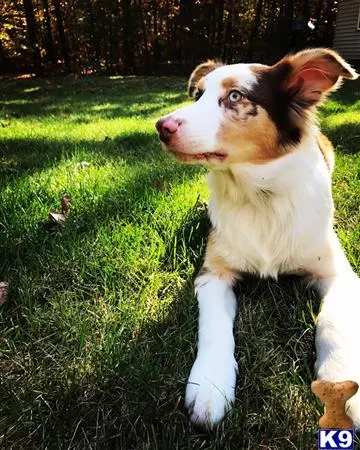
(271, 209)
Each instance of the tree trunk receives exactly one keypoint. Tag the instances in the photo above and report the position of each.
(186, 31)
(305, 10)
(31, 28)
(317, 19)
(110, 58)
(289, 18)
(144, 32)
(227, 55)
(128, 36)
(49, 44)
(3, 59)
(255, 28)
(285, 28)
(329, 21)
(60, 26)
(95, 38)
(318, 10)
(219, 43)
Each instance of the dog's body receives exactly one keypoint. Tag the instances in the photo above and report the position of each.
(271, 210)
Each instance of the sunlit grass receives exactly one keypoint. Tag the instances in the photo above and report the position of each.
(99, 332)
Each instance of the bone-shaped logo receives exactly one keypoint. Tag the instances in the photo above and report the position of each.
(334, 396)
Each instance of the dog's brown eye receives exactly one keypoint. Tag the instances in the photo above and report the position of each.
(235, 96)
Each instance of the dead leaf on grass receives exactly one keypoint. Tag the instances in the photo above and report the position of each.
(162, 186)
(65, 203)
(3, 292)
(83, 165)
(60, 217)
(57, 217)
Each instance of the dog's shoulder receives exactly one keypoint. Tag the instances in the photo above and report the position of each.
(327, 150)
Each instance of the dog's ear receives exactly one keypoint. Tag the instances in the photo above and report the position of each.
(311, 74)
(200, 71)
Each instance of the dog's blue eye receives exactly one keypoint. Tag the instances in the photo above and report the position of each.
(235, 96)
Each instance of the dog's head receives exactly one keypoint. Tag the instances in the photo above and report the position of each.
(251, 112)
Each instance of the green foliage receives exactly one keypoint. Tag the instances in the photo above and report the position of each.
(99, 331)
(148, 36)
(12, 28)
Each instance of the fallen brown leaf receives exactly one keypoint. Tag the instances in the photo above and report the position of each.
(57, 217)
(162, 186)
(83, 165)
(65, 203)
(3, 292)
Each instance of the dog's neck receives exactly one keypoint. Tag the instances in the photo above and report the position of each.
(261, 182)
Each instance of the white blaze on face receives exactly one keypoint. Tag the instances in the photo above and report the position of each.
(200, 122)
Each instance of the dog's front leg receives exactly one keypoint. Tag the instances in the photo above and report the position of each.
(211, 386)
(338, 325)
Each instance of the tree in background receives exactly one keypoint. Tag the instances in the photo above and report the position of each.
(155, 36)
(61, 33)
(48, 41)
(32, 33)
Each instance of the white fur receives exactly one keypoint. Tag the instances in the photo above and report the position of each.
(338, 330)
(242, 72)
(211, 385)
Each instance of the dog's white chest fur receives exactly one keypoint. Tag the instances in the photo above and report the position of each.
(265, 223)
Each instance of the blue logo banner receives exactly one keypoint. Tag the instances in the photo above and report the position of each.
(335, 439)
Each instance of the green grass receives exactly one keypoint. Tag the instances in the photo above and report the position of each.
(98, 335)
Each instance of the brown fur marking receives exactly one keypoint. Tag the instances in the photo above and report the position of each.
(199, 72)
(216, 263)
(327, 151)
(230, 83)
(257, 142)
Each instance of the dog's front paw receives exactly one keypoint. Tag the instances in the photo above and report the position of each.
(211, 388)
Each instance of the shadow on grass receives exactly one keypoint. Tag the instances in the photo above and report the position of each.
(345, 137)
(116, 407)
(274, 405)
(121, 201)
(20, 157)
(138, 403)
(105, 97)
(348, 94)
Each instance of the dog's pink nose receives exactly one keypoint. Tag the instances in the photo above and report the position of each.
(171, 125)
(167, 127)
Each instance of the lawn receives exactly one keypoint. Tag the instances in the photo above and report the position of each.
(98, 335)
